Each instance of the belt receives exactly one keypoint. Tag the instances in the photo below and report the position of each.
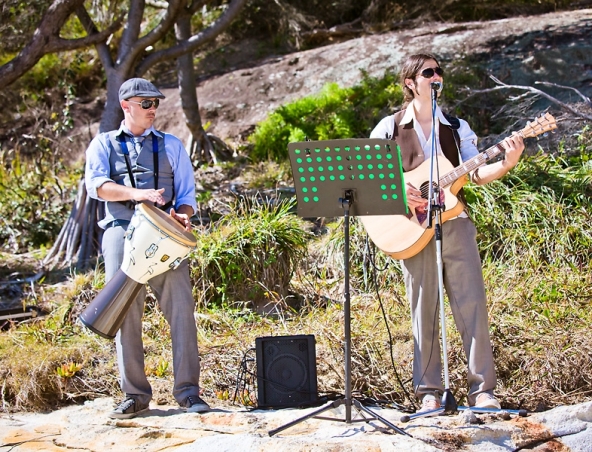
(114, 223)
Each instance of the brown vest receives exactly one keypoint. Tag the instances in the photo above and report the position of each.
(412, 154)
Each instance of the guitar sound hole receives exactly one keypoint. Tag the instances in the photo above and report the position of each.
(425, 190)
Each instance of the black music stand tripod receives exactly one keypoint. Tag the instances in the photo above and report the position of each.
(347, 177)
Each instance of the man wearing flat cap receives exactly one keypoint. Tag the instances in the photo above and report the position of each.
(136, 164)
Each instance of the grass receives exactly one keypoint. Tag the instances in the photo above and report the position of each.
(533, 229)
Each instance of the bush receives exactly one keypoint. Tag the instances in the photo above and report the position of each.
(332, 114)
(251, 255)
(35, 199)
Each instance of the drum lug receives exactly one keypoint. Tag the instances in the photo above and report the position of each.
(173, 265)
(130, 232)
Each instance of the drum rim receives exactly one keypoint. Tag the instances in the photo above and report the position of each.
(166, 223)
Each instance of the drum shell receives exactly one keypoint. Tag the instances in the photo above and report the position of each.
(154, 243)
(106, 312)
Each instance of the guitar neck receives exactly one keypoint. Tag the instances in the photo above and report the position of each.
(471, 164)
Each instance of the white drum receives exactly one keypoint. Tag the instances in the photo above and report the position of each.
(154, 243)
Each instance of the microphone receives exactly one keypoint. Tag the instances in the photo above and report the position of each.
(437, 86)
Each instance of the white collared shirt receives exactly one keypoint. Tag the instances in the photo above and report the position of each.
(468, 138)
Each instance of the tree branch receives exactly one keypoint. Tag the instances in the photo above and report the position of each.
(91, 29)
(538, 92)
(195, 41)
(166, 24)
(46, 39)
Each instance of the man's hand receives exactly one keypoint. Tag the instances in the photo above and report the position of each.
(149, 195)
(182, 218)
(513, 146)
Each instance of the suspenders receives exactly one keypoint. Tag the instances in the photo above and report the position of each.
(123, 145)
(128, 164)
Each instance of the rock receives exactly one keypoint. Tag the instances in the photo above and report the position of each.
(551, 47)
(87, 427)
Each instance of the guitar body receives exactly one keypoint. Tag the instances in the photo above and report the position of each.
(404, 236)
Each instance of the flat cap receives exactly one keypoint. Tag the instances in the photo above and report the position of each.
(138, 87)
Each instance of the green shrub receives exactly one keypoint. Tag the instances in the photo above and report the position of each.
(35, 199)
(250, 256)
(538, 214)
(332, 114)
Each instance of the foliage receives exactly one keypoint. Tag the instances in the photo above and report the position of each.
(34, 198)
(250, 256)
(50, 361)
(267, 175)
(334, 113)
(68, 370)
(539, 214)
(18, 22)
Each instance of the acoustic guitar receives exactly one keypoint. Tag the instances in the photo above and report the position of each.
(403, 236)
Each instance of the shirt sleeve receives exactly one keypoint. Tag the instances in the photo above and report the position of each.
(468, 141)
(384, 129)
(97, 169)
(183, 176)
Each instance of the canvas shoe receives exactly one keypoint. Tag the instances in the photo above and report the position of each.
(128, 409)
(194, 404)
(429, 404)
(486, 400)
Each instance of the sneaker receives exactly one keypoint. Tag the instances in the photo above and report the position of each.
(486, 400)
(128, 409)
(429, 404)
(194, 404)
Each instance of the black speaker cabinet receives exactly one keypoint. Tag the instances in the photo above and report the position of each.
(286, 371)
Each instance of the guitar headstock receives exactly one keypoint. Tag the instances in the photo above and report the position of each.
(540, 125)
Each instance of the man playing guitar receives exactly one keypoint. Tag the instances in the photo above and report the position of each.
(411, 128)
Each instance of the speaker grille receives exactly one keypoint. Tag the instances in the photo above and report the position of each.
(286, 371)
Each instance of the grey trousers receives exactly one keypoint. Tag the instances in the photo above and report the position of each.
(173, 291)
(463, 281)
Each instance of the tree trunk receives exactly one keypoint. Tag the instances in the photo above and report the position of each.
(202, 147)
(80, 236)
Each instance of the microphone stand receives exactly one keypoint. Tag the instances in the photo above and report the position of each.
(448, 404)
(435, 208)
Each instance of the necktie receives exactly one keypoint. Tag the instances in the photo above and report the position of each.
(138, 142)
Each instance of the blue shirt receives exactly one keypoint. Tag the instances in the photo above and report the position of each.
(98, 169)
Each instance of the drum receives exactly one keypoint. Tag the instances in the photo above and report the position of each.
(154, 243)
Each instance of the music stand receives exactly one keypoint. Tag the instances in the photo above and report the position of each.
(347, 177)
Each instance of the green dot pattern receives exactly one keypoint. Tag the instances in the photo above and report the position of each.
(327, 167)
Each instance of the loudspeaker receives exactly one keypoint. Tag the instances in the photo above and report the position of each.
(286, 371)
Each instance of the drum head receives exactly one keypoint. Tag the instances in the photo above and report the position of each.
(168, 224)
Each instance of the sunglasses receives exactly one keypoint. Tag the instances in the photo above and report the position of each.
(429, 72)
(146, 103)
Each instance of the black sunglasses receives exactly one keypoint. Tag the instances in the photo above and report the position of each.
(146, 103)
(429, 72)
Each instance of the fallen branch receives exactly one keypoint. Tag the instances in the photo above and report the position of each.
(502, 85)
